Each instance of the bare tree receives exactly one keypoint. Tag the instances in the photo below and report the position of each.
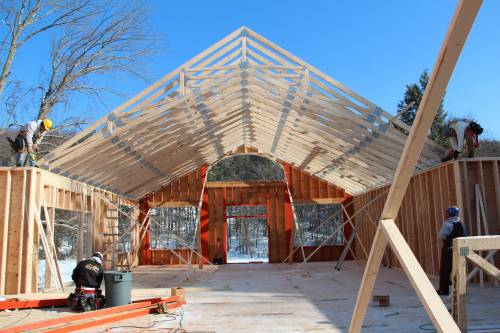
(24, 19)
(112, 41)
(12, 101)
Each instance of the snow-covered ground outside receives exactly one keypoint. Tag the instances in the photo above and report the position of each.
(65, 265)
(259, 253)
(236, 260)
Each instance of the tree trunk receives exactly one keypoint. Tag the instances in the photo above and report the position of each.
(8, 61)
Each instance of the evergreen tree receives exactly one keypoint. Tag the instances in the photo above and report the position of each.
(414, 93)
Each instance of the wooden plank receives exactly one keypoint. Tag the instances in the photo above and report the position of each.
(219, 222)
(171, 204)
(49, 256)
(460, 26)
(484, 265)
(5, 185)
(459, 29)
(273, 231)
(434, 307)
(468, 197)
(29, 227)
(321, 201)
(16, 232)
(459, 282)
(36, 236)
(475, 270)
(481, 243)
(496, 182)
(280, 224)
(368, 280)
(211, 224)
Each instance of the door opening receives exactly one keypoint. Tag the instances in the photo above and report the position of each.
(247, 234)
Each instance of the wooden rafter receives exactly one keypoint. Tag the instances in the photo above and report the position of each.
(387, 231)
(243, 90)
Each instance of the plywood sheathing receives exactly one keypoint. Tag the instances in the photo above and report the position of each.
(423, 209)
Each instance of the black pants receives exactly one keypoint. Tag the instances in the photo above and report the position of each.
(445, 269)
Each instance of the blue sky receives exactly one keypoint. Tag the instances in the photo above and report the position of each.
(372, 47)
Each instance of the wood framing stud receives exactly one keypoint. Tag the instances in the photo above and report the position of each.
(464, 249)
(458, 30)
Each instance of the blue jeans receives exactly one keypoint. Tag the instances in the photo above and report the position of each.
(25, 159)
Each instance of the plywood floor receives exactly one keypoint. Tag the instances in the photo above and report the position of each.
(280, 298)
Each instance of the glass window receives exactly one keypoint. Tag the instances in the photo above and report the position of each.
(317, 222)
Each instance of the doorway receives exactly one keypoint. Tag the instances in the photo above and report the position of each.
(247, 234)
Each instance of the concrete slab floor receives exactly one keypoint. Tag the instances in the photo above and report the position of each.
(278, 298)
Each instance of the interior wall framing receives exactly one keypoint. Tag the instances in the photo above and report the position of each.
(423, 209)
(187, 190)
(27, 191)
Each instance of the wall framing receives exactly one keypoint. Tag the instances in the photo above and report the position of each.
(26, 188)
(422, 210)
(304, 188)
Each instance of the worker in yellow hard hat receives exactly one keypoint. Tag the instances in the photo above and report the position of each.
(27, 140)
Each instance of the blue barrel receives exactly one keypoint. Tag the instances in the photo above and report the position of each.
(118, 288)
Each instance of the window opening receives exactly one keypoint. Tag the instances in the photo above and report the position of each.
(175, 229)
(247, 236)
(313, 231)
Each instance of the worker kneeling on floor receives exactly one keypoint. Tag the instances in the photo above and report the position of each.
(87, 275)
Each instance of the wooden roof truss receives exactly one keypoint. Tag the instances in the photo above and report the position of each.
(243, 90)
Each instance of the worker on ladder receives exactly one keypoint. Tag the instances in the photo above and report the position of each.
(451, 228)
(87, 275)
(462, 131)
(27, 140)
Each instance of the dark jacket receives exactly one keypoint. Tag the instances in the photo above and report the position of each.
(457, 231)
(88, 273)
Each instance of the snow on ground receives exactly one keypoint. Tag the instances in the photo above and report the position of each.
(244, 260)
(65, 265)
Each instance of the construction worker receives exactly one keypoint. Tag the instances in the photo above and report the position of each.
(87, 275)
(451, 228)
(460, 130)
(27, 140)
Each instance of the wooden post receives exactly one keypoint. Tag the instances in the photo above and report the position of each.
(425, 290)
(145, 257)
(29, 227)
(291, 221)
(368, 280)
(459, 281)
(50, 220)
(201, 211)
(5, 192)
(203, 233)
(478, 227)
(460, 26)
(458, 189)
(16, 232)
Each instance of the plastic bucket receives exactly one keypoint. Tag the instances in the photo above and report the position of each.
(118, 288)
